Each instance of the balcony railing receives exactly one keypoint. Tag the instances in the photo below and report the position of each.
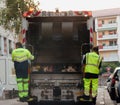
(104, 37)
(107, 26)
(107, 48)
(111, 58)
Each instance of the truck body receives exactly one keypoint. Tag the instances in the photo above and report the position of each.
(58, 42)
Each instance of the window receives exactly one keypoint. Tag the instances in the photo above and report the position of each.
(112, 32)
(10, 46)
(5, 46)
(112, 21)
(104, 44)
(112, 43)
(103, 33)
(115, 32)
(103, 22)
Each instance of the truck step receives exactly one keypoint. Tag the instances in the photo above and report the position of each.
(60, 103)
(56, 103)
(84, 103)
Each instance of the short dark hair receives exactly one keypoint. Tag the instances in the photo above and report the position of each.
(19, 45)
(96, 49)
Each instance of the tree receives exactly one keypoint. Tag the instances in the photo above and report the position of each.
(11, 16)
(111, 65)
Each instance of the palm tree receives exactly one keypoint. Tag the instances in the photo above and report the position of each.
(11, 16)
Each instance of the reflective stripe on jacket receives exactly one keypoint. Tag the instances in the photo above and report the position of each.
(21, 54)
(92, 63)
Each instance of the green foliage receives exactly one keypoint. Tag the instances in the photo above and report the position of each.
(11, 16)
(111, 65)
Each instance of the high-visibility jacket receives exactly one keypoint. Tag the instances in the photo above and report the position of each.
(21, 54)
(92, 63)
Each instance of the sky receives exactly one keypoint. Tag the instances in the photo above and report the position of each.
(66, 5)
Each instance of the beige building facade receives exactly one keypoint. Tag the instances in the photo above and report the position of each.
(107, 29)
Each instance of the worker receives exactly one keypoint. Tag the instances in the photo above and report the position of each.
(20, 57)
(92, 63)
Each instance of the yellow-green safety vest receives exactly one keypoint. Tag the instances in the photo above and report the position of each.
(92, 63)
(21, 54)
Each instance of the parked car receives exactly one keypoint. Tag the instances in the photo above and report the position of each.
(113, 85)
(117, 85)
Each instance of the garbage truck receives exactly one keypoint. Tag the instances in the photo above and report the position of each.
(58, 41)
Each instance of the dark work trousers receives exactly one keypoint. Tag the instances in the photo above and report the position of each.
(22, 78)
(21, 69)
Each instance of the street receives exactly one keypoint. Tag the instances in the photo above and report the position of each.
(102, 99)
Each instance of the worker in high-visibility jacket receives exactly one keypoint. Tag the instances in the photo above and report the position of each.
(92, 63)
(20, 57)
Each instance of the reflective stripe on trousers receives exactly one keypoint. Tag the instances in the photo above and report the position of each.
(87, 84)
(22, 84)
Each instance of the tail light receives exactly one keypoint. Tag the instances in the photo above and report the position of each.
(113, 81)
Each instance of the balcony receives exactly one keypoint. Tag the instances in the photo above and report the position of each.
(111, 58)
(110, 26)
(108, 48)
(105, 37)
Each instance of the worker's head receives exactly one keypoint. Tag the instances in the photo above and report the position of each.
(96, 49)
(19, 45)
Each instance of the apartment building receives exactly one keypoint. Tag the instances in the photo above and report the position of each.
(7, 43)
(107, 29)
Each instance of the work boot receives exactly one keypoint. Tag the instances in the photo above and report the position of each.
(85, 98)
(21, 99)
(25, 99)
(94, 100)
(30, 99)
